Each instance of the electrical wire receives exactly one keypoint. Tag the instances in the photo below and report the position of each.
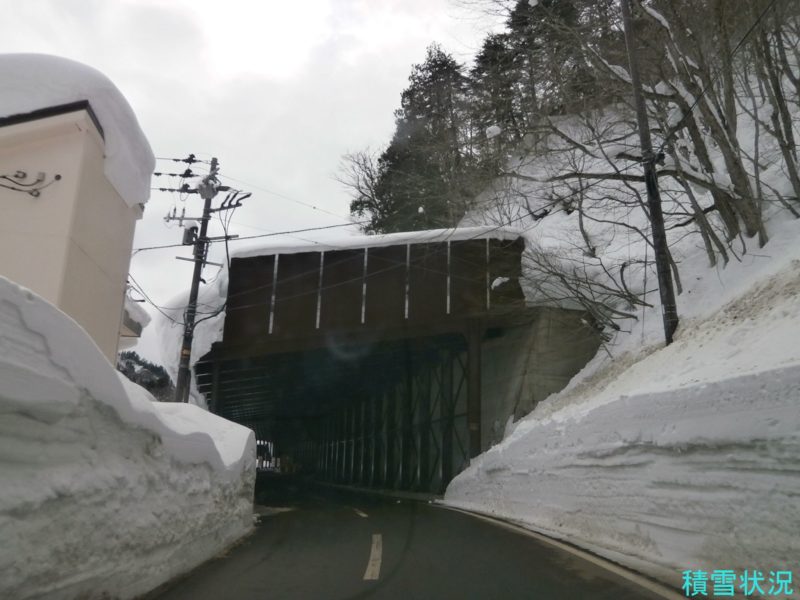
(449, 236)
(136, 286)
(442, 243)
(285, 197)
(252, 237)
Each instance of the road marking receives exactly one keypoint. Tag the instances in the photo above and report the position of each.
(361, 513)
(374, 563)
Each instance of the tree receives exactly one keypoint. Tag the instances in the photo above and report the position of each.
(154, 378)
(423, 178)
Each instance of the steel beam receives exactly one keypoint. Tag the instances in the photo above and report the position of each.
(212, 405)
(391, 459)
(407, 415)
(474, 337)
(423, 404)
(448, 412)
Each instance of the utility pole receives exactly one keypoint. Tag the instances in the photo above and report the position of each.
(669, 310)
(207, 188)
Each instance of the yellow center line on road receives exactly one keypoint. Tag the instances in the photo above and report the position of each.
(374, 563)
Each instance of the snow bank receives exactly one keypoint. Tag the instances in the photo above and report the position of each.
(684, 457)
(35, 81)
(105, 493)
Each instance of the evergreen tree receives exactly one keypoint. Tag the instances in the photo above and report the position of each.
(154, 378)
(423, 178)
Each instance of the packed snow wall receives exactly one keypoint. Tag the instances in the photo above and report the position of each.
(684, 457)
(104, 493)
(653, 482)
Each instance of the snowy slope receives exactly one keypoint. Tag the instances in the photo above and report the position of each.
(665, 459)
(105, 493)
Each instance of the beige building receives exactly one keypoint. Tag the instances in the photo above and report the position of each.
(66, 231)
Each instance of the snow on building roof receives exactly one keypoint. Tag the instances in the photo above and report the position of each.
(136, 313)
(427, 236)
(33, 82)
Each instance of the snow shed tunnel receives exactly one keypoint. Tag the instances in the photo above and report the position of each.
(391, 363)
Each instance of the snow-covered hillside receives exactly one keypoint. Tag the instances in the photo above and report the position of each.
(661, 458)
(673, 458)
(105, 493)
(684, 457)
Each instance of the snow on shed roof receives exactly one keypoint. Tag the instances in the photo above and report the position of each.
(387, 239)
(32, 82)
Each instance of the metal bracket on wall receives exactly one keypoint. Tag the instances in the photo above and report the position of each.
(20, 181)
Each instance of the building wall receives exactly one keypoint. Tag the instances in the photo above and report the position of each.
(34, 231)
(72, 244)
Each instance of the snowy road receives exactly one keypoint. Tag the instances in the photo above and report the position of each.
(335, 545)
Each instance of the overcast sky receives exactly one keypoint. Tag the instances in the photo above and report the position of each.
(278, 91)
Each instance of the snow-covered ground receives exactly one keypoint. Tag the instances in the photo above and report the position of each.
(684, 457)
(104, 492)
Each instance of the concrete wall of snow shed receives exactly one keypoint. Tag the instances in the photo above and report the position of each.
(522, 366)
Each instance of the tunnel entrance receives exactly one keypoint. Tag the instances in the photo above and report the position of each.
(363, 364)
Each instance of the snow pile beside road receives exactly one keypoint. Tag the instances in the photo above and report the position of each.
(104, 492)
(665, 459)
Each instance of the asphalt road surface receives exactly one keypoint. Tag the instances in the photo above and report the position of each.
(322, 544)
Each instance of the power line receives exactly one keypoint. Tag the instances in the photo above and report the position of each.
(441, 242)
(285, 197)
(191, 159)
(140, 289)
(251, 237)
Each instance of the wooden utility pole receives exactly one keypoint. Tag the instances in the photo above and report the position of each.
(669, 310)
(207, 189)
